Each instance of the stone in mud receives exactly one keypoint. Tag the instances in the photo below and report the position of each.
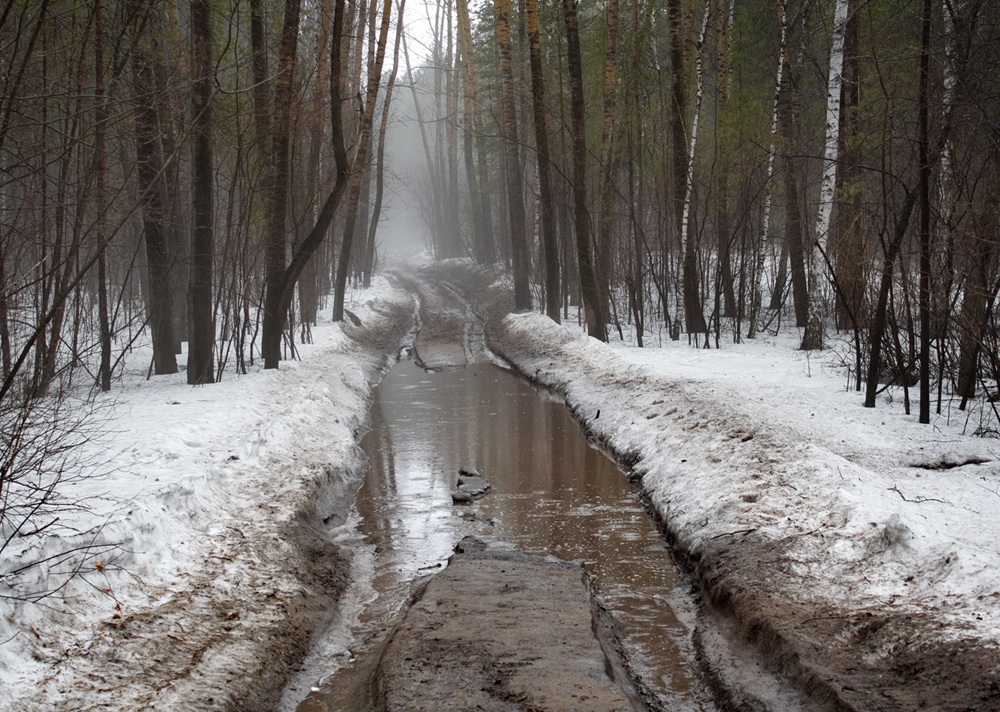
(471, 485)
(474, 485)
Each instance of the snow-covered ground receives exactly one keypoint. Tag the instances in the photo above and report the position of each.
(857, 512)
(199, 492)
(780, 442)
(754, 451)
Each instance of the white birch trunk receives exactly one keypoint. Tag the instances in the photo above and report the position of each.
(689, 187)
(758, 276)
(945, 185)
(813, 337)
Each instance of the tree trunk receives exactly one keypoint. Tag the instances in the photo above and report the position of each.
(277, 188)
(550, 245)
(100, 166)
(813, 336)
(201, 366)
(849, 252)
(364, 136)
(515, 196)
(609, 159)
(431, 170)
(261, 83)
(308, 296)
(925, 216)
(477, 176)
(486, 251)
(149, 169)
(588, 281)
(454, 227)
(305, 250)
(722, 223)
(690, 303)
(380, 170)
(765, 228)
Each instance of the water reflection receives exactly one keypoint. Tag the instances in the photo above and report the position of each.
(555, 494)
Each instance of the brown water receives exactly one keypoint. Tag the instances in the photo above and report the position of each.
(555, 494)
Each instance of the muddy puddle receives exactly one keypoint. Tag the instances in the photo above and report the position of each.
(555, 494)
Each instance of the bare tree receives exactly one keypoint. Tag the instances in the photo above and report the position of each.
(201, 361)
(588, 280)
(515, 191)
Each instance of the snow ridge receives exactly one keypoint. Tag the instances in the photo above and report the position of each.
(223, 497)
(801, 513)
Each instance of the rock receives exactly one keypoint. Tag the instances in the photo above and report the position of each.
(474, 485)
(471, 485)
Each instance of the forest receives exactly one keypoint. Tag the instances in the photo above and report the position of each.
(731, 240)
(213, 171)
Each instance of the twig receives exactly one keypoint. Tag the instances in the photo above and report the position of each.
(739, 531)
(919, 500)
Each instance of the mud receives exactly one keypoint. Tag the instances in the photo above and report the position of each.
(500, 630)
(759, 645)
(233, 630)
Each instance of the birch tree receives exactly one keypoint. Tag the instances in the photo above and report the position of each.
(813, 336)
(765, 227)
(545, 207)
(687, 301)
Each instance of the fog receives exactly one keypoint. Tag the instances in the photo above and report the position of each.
(404, 228)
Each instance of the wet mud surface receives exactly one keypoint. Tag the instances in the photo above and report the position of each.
(500, 630)
(753, 641)
(552, 494)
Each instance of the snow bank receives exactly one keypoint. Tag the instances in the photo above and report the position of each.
(814, 523)
(213, 501)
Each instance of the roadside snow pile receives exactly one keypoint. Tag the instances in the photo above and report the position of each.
(208, 516)
(785, 494)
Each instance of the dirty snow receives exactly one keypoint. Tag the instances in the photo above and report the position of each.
(759, 437)
(752, 437)
(191, 487)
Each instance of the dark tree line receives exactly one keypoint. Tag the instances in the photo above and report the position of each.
(172, 172)
(726, 167)
(176, 166)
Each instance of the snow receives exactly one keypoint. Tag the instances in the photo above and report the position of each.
(195, 489)
(192, 488)
(762, 438)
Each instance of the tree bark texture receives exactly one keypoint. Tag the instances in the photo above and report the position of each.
(813, 336)
(550, 246)
(364, 137)
(278, 187)
(515, 190)
(588, 280)
(201, 344)
(148, 170)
